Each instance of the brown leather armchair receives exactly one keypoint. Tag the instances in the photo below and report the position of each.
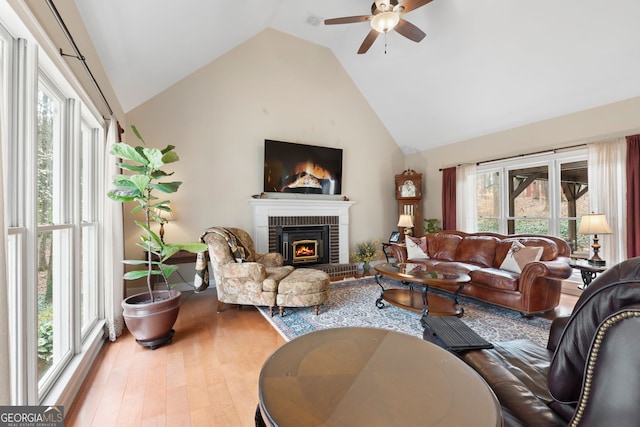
(588, 374)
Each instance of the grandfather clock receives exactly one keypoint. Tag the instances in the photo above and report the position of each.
(409, 197)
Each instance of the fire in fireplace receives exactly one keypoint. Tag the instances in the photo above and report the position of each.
(305, 251)
(303, 244)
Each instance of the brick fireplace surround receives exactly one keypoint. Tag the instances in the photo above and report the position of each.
(267, 213)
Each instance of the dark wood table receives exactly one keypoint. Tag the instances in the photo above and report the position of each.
(180, 257)
(371, 377)
(587, 271)
(420, 300)
(388, 252)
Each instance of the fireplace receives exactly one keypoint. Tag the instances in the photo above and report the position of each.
(268, 213)
(303, 244)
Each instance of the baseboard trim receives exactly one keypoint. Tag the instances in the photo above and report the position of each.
(69, 383)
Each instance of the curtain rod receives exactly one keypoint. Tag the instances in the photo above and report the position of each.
(555, 150)
(77, 55)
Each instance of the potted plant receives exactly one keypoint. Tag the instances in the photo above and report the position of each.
(431, 225)
(366, 252)
(149, 316)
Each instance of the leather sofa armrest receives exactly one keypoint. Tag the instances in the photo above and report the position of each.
(613, 385)
(254, 271)
(557, 269)
(399, 252)
(557, 327)
(512, 393)
(272, 259)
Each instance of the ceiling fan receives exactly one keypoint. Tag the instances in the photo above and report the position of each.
(385, 16)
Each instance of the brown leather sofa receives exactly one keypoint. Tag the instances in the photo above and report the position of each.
(535, 289)
(588, 374)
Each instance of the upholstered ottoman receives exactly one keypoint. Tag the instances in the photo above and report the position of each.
(303, 287)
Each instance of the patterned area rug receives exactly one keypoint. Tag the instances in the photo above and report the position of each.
(352, 303)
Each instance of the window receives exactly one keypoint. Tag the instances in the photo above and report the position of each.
(489, 201)
(528, 207)
(54, 238)
(574, 187)
(52, 150)
(541, 195)
(89, 225)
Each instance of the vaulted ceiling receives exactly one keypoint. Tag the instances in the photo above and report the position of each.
(484, 66)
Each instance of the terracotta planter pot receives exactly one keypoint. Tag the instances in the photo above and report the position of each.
(151, 323)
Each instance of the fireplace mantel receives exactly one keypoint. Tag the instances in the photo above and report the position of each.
(265, 208)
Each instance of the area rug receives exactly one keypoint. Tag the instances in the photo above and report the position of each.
(352, 303)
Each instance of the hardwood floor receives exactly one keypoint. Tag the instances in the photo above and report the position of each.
(208, 376)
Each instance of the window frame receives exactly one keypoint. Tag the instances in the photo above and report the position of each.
(27, 57)
(61, 227)
(553, 161)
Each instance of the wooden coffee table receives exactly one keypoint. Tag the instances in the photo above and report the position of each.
(371, 377)
(418, 275)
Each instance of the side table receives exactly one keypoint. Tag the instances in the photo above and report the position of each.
(587, 271)
(181, 257)
(386, 249)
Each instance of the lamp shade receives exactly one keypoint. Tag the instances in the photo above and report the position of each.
(594, 224)
(385, 21)
(163, 216)
(405, 221)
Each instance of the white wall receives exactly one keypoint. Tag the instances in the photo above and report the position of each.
(274, 86)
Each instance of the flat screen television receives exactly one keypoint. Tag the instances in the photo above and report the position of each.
(301, 168)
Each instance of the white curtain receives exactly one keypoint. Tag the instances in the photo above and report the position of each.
(5, 355)
(113, 243)
(466, 198)
(608, 194)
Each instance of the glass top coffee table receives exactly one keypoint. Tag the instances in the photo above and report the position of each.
(371, 377)
(419, 275)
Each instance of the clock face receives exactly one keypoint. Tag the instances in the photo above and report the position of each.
(408, 189)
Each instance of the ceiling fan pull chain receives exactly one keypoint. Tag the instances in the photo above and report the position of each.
(385, 43)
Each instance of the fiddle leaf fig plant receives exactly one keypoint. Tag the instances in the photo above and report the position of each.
(145, 179)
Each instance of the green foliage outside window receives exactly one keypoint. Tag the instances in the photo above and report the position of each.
(45, 334)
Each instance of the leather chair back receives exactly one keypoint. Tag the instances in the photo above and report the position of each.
(612, 291)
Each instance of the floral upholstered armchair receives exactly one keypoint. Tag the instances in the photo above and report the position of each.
(242, 275)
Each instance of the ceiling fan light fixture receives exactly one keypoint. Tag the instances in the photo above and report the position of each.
(385, 21)
(382, 5)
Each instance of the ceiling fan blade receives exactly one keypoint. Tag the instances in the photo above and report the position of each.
(368, 41)
(410, 31)
(409, 5)
(347, 20)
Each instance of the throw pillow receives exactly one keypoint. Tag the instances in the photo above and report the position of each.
(416, 248)
(520, 255)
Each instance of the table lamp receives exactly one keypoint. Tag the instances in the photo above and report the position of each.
(163, 216)
(595, 224)
(407, 222)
